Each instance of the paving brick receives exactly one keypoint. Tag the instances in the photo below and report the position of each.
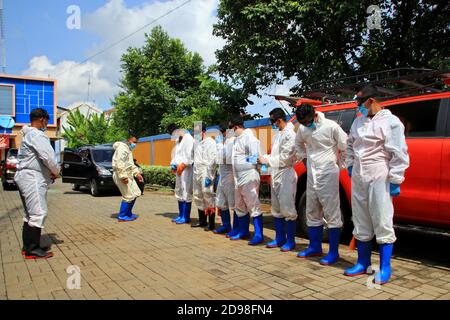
(153, 258)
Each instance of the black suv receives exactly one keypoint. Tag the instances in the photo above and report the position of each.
(90, 166)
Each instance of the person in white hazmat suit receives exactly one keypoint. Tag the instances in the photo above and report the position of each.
(181, 164)
(124, 172)
(377, 158)
(246, 151)
(323, 144)
(225, 186)
(283, 181)
(205, 157)
(37, 168)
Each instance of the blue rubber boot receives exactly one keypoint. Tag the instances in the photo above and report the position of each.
(226, 225)
(290, 239)
(180, 211)
(363, 262)
(258, 237)
(280, 234)
(244, 225)
(383, 276)
(185, 213)
(334, 235)
(130, 210)
(124, 210)
(315, 243)
(235, 230)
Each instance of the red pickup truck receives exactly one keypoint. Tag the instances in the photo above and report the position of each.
(425, 195)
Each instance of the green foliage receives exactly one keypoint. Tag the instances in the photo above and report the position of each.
(158, 175)
(163, 83)
(91, 129)
(268, 41)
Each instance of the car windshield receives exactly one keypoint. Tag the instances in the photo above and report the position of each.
(102, 155)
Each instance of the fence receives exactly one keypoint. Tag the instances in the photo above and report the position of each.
(157, 150)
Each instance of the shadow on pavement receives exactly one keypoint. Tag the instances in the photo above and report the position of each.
(50, 238)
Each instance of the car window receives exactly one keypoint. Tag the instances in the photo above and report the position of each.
(12, 153)
(332, 115)
(102, 155)
(419, 118)
(71, 157)
(346, 119)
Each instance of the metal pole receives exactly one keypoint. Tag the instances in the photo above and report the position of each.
(2, 38)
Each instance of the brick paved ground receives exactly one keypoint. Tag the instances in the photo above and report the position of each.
(153, 258)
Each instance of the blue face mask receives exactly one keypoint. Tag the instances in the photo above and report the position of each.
(312, 126)
(219, 139)
(132, 146)
(363, 110)
(274, 127)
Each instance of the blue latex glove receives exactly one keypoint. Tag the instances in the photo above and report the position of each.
(350, 170)
(252, 159)
(395, 189)
(264, 168)
(173, 167)
(208, 182)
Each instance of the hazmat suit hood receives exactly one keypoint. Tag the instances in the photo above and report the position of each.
(25, 130)
(118, 144)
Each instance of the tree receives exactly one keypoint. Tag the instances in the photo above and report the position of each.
(92, 129)
(268, 41)
(163, 82)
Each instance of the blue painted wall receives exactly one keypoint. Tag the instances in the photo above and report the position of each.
(31, 94)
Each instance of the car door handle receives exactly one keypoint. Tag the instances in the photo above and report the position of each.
(66, 166)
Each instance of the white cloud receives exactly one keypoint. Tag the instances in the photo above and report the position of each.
(192, 24)
(72, 79)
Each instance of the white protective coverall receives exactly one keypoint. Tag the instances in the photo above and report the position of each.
(225, 187)
(205, 157)
(246, 176)
(378, 152)
(37, 161)
(324, 148)
(124, 167)
(183, 153)
(283, 175)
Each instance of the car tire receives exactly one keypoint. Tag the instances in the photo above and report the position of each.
(76, 187)
(302, 228)
(6, 186)
(95, 191)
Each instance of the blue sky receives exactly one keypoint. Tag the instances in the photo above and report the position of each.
(39, 43)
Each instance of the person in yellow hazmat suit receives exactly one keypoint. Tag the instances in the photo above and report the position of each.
(124, 173)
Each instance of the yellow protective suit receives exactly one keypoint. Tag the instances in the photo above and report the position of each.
(123, 167)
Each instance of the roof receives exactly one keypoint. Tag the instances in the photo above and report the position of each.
(77, 105)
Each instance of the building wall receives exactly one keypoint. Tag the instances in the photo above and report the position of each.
(30, 93)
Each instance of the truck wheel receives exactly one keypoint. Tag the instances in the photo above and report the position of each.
(302, 228)
(76, 187)
(95, 191)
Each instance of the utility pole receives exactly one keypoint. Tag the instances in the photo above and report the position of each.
(2, 38)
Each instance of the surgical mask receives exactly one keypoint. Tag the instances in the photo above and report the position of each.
(198, 137)
(274, 127)
(363, 110)
(312, 126)
(219, 139)
(132, 146)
